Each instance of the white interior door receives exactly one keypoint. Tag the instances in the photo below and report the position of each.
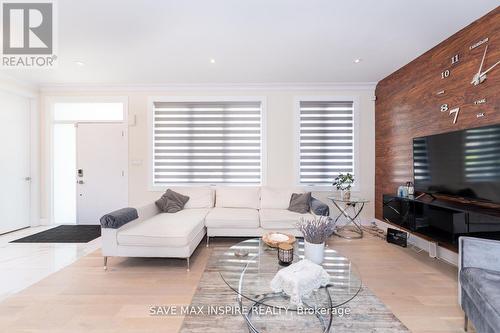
(102, 182)
(14, 162)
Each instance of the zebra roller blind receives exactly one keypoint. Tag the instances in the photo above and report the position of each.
(207, 143)
(326, 141)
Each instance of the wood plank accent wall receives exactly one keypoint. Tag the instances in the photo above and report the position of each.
(408, 106)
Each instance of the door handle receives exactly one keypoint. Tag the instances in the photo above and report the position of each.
(80, 182)
(28, 179)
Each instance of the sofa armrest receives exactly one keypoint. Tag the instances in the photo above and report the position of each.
(121, 217)
(479, 253)
(118, 218)
(109, 235)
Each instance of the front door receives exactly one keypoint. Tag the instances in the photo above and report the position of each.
(102, 182)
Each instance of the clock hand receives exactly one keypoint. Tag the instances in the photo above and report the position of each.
(482, 60)
(477, 77)
(489, 69)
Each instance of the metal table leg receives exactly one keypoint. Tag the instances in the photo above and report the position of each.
(356, 229)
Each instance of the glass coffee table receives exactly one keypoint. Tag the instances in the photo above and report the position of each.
(249, 277)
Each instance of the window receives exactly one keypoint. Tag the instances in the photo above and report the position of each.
(88, 111)
(326, 136)
(207, 143)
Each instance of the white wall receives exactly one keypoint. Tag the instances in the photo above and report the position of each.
(280, 132)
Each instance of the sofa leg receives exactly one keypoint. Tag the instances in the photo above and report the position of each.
(466, 323)
(105, 263)
(188, 267)
(208, 239)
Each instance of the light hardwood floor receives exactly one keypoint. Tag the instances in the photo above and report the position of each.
(422, 292)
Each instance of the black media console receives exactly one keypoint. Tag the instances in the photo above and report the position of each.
(442, 221)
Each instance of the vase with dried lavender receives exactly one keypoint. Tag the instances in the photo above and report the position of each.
(316, 231)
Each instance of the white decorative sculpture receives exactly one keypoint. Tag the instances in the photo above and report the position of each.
(299, 280)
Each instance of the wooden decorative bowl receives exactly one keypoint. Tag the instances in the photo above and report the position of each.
(273, 239)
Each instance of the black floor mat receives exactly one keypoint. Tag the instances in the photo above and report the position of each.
(64, 234)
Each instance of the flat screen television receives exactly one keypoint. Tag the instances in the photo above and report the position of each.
(463, 164)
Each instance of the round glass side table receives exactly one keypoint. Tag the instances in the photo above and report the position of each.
(350, 209)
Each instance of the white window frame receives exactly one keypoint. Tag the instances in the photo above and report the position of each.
(49, 104)
(296, 139)
(181, 99)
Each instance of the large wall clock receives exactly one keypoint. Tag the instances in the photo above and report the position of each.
(477, 78)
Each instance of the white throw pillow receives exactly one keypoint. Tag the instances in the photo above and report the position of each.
(277, 198)
(238, 197)
(199, 197)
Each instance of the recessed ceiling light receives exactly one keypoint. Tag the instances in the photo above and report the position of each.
(212, 61)
(357, 61)
(80, 63)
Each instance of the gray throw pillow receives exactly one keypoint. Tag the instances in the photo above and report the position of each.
(319, 208)
(299, 203)
(171, 202)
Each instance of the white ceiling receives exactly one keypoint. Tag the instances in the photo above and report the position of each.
(252, 41)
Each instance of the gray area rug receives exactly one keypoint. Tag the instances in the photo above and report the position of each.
(367, 312)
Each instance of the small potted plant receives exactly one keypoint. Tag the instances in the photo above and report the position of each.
(343, 183)
(316, 231)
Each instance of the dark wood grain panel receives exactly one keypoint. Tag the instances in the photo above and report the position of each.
(408, 106)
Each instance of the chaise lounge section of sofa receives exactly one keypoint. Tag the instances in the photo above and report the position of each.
(158, 234)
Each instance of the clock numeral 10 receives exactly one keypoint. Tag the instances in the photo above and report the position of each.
(445, 74)
(444, 107)
(454, 59)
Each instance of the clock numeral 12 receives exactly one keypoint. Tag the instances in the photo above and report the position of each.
(454, 59)
(445, 74)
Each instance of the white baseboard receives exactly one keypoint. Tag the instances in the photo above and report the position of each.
(441, 252)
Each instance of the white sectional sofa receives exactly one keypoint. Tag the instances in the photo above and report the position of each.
(229, 211)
